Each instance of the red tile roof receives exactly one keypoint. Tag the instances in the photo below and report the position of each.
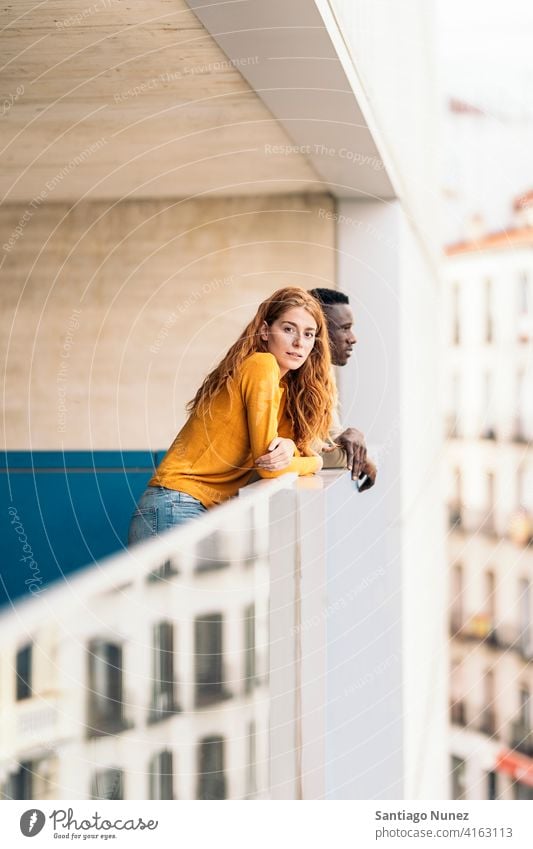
(462, 107)
(512, 238)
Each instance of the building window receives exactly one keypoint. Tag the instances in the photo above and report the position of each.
(525, 707)
(489, 329)
(251, 758)
(520, 427)
(492, 785)
(165, 572)
(487, 724)
(457, 703)
(490, 595)
(488, 430)
(489, 524)
(490, 599)
(456, 322)
(211, 778)
(163, 693)
(107, 784)
(455, 513)
(458, 776)
(23, 666)
(521, 736)
(522, 792)
(105, 689)
(209, 653)
(453, 428)
(19, 784)
(162, 776)
(457, 611)
(249, 648)
(524, 626)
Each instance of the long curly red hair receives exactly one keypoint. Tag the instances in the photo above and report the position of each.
(309, 389)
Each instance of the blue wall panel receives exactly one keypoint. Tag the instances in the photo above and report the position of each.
(62, 511)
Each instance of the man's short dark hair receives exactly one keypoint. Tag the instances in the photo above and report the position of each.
(328, 297)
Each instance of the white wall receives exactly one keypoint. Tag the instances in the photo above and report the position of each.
(389, 390)
(392, 48)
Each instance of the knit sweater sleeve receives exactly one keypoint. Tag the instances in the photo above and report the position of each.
(261, 396)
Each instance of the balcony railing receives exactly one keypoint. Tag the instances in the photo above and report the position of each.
(164, 704)
(479, 627)
(518, 527)
(519, 432)
(486, 722)
(265, 551)
(471, 521)
(504, 637)
(210, 692)
(488, 433)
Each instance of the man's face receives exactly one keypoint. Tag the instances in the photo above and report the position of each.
(341, 336)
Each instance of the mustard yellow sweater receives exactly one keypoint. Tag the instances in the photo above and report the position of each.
(213, 455)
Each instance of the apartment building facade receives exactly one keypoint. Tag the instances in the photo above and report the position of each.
(489, 465)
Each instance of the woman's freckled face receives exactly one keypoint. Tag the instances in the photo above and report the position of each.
(290, 338)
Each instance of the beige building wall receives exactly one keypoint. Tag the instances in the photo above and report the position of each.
(112, 314)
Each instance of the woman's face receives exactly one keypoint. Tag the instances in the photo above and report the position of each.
(290, 338)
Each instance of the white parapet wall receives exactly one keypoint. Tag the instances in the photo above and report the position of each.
(318, 649)
(388, 391)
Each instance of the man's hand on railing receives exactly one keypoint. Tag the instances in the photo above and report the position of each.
(353, 442)
(370, 471)
(280, 453)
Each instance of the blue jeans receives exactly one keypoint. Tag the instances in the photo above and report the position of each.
(159, 509)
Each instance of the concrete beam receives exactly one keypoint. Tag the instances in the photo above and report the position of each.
(305, 75)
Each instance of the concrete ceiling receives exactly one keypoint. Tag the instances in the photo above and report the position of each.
(111, 99)
(308, 78)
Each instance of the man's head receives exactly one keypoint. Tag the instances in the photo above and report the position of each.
(339, 317)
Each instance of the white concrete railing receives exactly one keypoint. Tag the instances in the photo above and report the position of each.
(287, 547)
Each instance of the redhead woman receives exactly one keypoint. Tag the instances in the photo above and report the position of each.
(268, 400)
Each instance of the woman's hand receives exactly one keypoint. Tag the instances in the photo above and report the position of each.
(280, 453)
